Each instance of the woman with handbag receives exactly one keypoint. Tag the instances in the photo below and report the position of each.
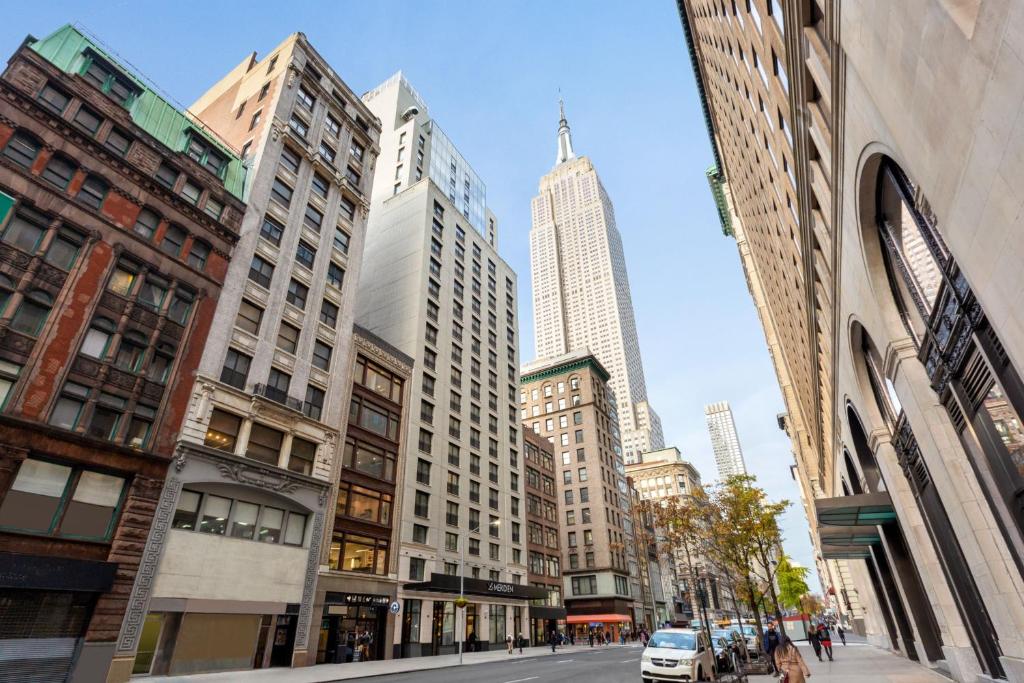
(825, 638)
(789, 663)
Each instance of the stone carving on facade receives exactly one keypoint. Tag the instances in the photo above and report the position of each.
(309, 584)
(15, 257)
(15, 341)
(257, 476)
(142, 590)
(51, 275)
(86, 366)
(27, 77)
(380, 353)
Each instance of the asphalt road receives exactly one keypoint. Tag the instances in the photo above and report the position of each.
(600, 665)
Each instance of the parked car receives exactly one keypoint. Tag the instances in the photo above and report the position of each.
(728, 642)
(677, 654)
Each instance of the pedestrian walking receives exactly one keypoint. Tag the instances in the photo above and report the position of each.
(812, 638)
(788, 662)
(554, 640)
(572, 636)
(521, 639)
(508, 641)
(771, 641)
(842, 634)
(622, 637)
(825, 638)
(591, 637)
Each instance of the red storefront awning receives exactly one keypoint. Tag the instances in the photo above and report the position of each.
(596, 618)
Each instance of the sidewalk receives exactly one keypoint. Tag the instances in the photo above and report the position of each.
(323, 673)
(863, 663)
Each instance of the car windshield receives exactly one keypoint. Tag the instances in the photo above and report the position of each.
(674, 641)
(722, 634)
(749, 631)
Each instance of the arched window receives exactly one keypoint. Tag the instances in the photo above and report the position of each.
(146, 223)
(160, 367)
(32, 313)
(131, 352)
(26, 230)
(22, 149)
(93, 191)
(59, 171)
(97, 339)
(961, 352)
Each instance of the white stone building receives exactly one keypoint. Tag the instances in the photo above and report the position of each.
(434, 286)
(724, 440)
(233, 555)
(581, 297)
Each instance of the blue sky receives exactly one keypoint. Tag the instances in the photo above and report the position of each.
(490, 73)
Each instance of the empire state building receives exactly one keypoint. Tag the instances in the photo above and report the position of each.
(581, 296)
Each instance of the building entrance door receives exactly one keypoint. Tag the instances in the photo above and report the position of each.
(356, 635)
(443, 640)
(284, 640)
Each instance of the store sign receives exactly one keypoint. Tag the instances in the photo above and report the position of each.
(395, 607)
(364, 599)
(502, 588)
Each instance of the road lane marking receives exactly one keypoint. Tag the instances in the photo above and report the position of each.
(519, 680)
(563, 661)
(628, 661)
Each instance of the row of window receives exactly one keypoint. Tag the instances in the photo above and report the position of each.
(212, 514)
(56, 99)
(265, 444)
(417, 572)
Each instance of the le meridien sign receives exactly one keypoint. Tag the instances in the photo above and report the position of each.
(506, 588)
(446, 583)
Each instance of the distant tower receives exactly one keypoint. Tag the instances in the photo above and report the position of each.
(724, 440)
(581, 297)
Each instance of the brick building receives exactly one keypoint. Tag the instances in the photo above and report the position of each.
(543, 547)
(117, 216)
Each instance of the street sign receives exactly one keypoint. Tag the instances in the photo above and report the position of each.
(394, 607)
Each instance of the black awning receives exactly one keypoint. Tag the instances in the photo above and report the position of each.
(35, 572)
(545, 612)
(863, 509)
(446, 583)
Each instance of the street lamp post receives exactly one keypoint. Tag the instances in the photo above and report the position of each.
(461, 602)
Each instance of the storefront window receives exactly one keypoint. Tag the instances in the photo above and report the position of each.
(497, 623)
(243, 522)
(270, 525)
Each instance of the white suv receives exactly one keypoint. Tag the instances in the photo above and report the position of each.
(677, 654)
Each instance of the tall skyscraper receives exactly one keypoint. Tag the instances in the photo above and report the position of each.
(581, 296)
(724, 440)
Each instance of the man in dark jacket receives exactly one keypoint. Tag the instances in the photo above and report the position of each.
(771, 641)
(812, 638)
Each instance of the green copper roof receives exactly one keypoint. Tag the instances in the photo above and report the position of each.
(67, 48)
(567, 366)
(717, 182)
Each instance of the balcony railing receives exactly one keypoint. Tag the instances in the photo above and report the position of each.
(277, 396)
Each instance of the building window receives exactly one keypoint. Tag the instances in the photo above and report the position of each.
(173, 240)
(321, 355)
(584, 585)
(97, 339)
(313, 406)
(261, 271)
(236, 369)
(287, 337)
(329, 314)
(146, 223)
(118, 141)
(23, 149)
(341, 240)
(335, 274)
(305, 254)
(298, 126)
(313, 219)
(271, 231)
(417, 567)
(106, 416)
(352, 553)
(54, 98)
(421, 505)
(59, 171)
(222, 432)
(60, 500)
(319, 185)
(93, 191)
(203, 153)
(264, 444)
(364, 504)
(281, 193)
(32, 313)
(297, 293)
(105, 77)
(249, 317)
(348, 209)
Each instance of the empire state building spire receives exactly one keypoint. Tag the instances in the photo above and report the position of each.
(564, 137)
